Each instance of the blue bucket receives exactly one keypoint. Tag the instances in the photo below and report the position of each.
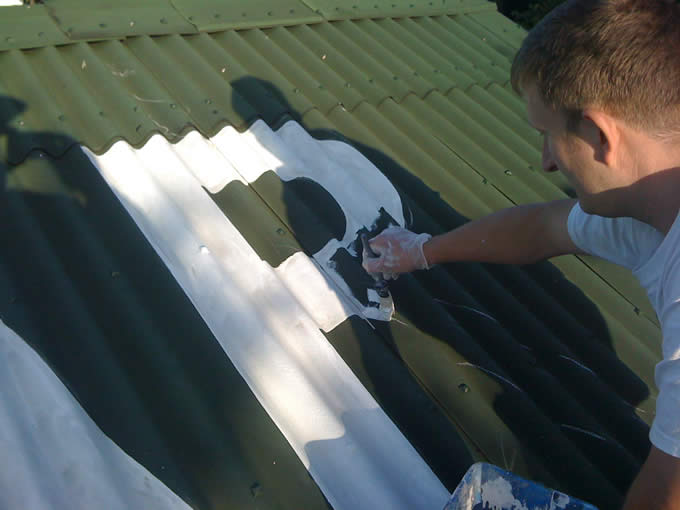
(488, 487)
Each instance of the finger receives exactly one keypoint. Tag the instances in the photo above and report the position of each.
(372, 265)
(378, 244)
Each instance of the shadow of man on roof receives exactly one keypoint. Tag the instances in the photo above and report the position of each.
(547, 365)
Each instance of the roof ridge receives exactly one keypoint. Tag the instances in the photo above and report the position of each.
(61, 22)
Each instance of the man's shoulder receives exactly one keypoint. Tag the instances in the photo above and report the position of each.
(622, 240)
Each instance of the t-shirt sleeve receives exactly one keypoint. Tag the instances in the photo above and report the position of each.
(665, 431)
(623, 241)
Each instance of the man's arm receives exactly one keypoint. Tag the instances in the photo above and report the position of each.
(657, 486)
(517, 235)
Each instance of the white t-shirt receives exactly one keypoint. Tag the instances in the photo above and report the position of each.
(655, 261)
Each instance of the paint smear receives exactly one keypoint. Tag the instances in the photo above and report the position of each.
(268, 320)
(54, 455)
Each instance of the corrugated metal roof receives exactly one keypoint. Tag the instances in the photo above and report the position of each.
(546, 369)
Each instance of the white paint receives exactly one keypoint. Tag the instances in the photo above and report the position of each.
(560, 500)
(10, 3)
(267, 320)
(497, 495)
(54, 455)
(359, 188)
(581, 365)
(583, 431)
(486, 370)
(206, 162)
(319, 295)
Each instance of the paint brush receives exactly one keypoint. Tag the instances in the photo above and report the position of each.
(385, 298)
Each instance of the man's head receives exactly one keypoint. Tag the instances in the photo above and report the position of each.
(621, 56)
(601, 81)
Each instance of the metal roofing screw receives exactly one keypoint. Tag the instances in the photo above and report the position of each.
(223, 69)
(115, 274)
(636, 310)
(164, 21)
(463, 387)
(255, 489)
(215, 112)
(62, 117)
(101, 114)
(132, 23)
(21, 122)
(138, 128)
(296, 90)
(102, 25)
(173, 106)
(9, 39)
(348, 85)
(217, 15)
(292, 11)
(323, 57)
(508, 172)
(280, 231)
(269, 13)
(207, 101)
(41, 34)
(484, 181)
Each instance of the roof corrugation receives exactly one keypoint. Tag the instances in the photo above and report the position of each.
(427, 101)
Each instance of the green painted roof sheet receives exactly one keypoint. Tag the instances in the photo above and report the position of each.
(66, 21)
(424, 95)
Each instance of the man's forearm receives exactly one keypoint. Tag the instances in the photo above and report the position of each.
(517, 235)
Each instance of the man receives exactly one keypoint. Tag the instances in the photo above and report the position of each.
(602, 83)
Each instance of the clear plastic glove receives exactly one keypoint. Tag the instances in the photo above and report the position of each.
(399, 251)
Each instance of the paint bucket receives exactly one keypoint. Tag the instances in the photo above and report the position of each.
(486, 486)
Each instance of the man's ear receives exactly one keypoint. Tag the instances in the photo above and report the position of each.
(602, 132)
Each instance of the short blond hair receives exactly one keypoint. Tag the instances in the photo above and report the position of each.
(622, 56)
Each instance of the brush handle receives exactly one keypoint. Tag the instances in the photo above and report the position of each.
(367, 246)
(380, 282)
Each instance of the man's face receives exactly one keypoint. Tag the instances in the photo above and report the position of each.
(574, 154)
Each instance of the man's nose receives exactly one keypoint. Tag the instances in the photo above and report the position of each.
(548, 161)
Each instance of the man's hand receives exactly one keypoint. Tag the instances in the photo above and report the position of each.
(399, 251)
(657, 486)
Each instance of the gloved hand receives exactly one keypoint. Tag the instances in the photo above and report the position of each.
(399, 251)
